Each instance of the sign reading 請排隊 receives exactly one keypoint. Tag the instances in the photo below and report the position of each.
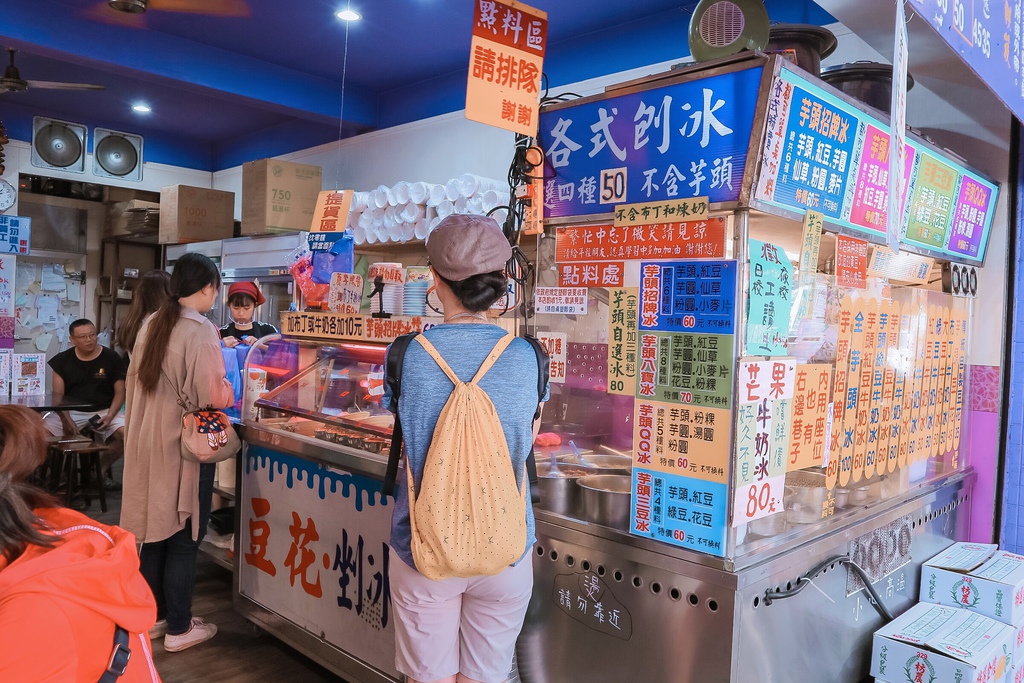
(505, 65)
(822, 153)
(678, 141)
(703, 238)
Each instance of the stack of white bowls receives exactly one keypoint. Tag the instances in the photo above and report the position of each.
(410, 210)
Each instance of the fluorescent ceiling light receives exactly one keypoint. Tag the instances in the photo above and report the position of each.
(141, 108)
(348, 15)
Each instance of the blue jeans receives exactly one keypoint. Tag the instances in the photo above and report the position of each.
(169, 566)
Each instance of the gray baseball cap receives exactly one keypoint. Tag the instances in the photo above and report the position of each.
(464, 245)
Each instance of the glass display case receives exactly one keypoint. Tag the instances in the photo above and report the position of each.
(327, 394)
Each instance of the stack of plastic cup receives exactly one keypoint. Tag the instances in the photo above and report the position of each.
(417, 282)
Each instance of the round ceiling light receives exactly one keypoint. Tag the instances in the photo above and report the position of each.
(141, 108)
(348, 15)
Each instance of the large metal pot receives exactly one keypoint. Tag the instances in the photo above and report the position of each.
(803, 44)
(558, 490)
(609, 464)
(869, 82)
(605, 499)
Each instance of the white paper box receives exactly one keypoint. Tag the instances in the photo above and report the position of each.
(942, 645)
(979, 578)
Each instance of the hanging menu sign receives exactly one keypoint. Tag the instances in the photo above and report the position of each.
(646, 213)
(769, 300)
(687, 368)
(851, 262)
(587, 243)
(672, 142)
(624, 309)
(823, 153)
(15, 234)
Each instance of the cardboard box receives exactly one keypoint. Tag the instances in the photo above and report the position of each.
(195, 214)
(278, 196)
(941, 644)
(977, 577)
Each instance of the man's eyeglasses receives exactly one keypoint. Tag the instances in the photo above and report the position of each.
(84, 337)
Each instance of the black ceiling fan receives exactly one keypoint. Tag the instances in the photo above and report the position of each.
(229, 8)
(13, 82)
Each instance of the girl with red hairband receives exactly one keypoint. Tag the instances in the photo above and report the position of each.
(243, 298)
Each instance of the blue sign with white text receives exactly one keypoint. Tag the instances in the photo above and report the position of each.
(987, 35)
(684, 140)
(688, 296)
(15, 234)
(684, 511)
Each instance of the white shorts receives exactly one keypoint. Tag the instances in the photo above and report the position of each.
(458, 625)
(53, 423)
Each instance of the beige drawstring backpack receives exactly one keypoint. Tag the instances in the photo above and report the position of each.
(469, 518)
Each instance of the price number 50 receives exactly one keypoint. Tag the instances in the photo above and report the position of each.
(613, 185)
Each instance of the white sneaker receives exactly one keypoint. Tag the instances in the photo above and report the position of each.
(159, 629)
(198, 632)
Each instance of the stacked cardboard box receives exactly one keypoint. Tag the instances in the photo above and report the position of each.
(278, 196)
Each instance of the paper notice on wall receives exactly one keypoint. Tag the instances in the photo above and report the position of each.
(26, 273)
(43, 342)
(47, 306)
(556, 345)
(53, 277)
(8, 270)
(74, 292)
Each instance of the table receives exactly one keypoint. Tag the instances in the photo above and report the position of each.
(48, 402)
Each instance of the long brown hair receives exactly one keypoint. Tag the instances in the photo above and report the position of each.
(22, 450)
(153, 292)
(192, 272)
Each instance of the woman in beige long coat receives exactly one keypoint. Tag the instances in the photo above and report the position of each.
(167, 499)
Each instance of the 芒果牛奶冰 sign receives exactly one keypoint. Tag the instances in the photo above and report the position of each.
(678, 141)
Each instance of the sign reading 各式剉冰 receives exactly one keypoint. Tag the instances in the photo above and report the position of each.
(678, 141)
(823, 153)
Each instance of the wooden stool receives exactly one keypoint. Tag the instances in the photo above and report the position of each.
(83, 459)
(49, 474)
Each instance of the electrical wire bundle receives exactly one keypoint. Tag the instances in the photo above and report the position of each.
(528, 164)
(805, 579)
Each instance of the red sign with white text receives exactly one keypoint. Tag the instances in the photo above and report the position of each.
(692, 239)
(851, 262)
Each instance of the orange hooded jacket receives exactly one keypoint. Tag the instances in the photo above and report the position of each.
(59, 605)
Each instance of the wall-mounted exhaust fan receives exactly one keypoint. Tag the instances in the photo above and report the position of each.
(720, 28)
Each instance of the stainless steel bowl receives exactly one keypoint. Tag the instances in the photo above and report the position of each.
(558, 490)
(605, 499)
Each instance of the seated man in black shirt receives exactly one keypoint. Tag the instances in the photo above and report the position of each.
(90, 372)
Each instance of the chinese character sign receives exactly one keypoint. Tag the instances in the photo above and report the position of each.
(590, 274)
(822, 152)
(590, 601)
(505, 65)
(346, 294)
(560, 300)
(810, 244)
(987, 36)
(691, 239)
(556, 345)
(687, 368)
(851, 262)
(623, 313)
(649, 213)
(313, 549)
(331, 212)
(688, 296)
(808, 434)
(15, 234)
(680, 461)
(674, 142)
(769, 299)
(898, 134)
(762, 437)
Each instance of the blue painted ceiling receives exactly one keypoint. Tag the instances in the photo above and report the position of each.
(227, 90)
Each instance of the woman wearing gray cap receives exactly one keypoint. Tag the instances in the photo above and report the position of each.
(462, 629)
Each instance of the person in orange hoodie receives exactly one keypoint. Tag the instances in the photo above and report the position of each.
(73, 606)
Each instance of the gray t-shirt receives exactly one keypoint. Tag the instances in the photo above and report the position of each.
(511, 384)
